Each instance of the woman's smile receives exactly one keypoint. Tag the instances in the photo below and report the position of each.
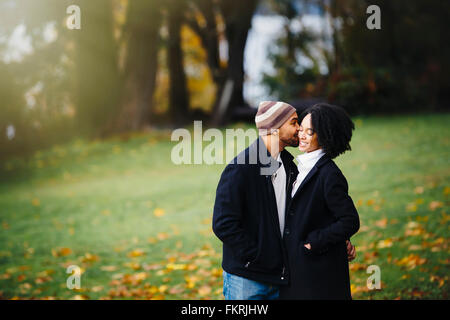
(307, 137)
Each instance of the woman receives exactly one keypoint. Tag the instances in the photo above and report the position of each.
(321, 215)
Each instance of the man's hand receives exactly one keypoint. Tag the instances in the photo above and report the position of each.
(351, 250)
(308, 246)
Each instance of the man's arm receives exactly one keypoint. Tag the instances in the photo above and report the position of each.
(228, 213)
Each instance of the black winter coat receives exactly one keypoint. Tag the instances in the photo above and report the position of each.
(323, 214)
(245, 216)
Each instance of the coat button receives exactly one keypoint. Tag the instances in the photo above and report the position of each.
(286, 231)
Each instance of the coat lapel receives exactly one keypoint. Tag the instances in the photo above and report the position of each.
(267, 165)
(273, 204)
(311, 174)
(305, 181)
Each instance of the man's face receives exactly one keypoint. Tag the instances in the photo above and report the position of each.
(288, 132)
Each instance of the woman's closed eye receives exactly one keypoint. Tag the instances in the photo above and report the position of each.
(308, 131)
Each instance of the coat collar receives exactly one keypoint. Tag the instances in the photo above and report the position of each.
(322, 161)
(308, 160)
(265, 160)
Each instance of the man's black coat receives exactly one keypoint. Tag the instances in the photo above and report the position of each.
(245, 215)
(323, 214)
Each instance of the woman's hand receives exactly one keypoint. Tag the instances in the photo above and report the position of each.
(351, 250)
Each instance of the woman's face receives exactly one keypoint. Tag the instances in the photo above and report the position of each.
(307, 136)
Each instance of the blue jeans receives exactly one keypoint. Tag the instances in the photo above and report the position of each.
(239, 288)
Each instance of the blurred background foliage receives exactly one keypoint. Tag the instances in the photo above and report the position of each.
(401, 67)
(139, 64)
(86, 118)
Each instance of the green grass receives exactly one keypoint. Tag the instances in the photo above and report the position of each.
(140, 226)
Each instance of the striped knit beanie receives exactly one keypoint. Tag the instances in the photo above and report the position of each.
(271, 115)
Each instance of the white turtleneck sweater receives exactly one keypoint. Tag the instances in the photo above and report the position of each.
(306, 162)
(279, 186)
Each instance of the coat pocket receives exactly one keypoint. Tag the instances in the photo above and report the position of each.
(264, 262)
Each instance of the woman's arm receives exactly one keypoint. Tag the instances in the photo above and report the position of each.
(341, 206)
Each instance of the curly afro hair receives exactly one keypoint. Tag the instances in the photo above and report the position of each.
(333, 127)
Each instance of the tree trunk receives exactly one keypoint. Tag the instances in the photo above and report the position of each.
(238, 17)
(178, 93)
(96, 73)
(142, 32)
(229, 79)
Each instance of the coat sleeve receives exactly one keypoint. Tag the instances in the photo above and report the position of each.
(229, 209)
(346, 219)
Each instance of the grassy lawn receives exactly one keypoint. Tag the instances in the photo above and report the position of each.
(139, 227)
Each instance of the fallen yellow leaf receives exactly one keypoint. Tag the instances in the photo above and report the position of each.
(411, 207)
(204, 290)
(61, 252)
(97, 288)
(132, 265)
(419, 190)
(136, 253)
(90, 258)
(387, 243)
(446, 191)
(435, 205)
(381, 223)
(411, 261)
(162, 236)
(173, 266)
(108, 268)
(21, 277)
(158, 212)
(163, 288)
(152, 240)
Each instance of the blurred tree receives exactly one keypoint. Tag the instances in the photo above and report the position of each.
(218, 21)
(96, 68)
(35, 81)
(11, 114)
(178, 92)
(400, 68)
(141, 36)
(291, 80)
(201, 87)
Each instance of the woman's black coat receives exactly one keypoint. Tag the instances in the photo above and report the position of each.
(323, 214)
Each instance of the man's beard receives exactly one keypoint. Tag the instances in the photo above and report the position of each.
(292, 142)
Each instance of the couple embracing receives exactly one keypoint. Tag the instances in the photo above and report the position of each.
(286, 228)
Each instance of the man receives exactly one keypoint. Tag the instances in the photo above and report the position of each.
(249, 210)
